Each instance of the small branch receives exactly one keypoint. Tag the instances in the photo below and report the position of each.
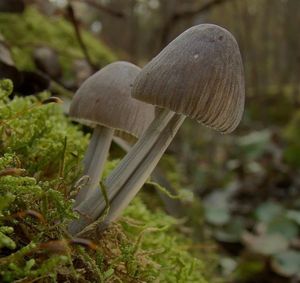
(102, 8)
(74, 22)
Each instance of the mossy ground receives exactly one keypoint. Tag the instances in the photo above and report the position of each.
(24, 32)
(41, 153)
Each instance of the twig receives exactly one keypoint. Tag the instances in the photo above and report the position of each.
(74, 22)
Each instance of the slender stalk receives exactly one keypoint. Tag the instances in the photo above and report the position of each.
(122, 144)
(172, 206)
(98, 150)
(91, 208)
(127, 166)
(138, 177)
(142, 173)
(132, 160)
(88, 157)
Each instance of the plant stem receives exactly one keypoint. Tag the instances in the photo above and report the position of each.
(94, 161)
(91, 208)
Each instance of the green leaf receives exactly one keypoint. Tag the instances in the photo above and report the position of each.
(254, 143)
(266, 244)
(283, 226)
(216, 209)
(232, 233)
(217, 216)
(228, 265)
(294, 215)
(287, 263)
(267, 211)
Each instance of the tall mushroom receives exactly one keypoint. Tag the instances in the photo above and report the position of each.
(200, 75)
(103, 102)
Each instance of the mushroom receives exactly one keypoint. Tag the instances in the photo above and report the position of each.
(103, 102)
(200, 75)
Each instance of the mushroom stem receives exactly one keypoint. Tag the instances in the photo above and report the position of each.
(92, 207)
(172, 206)
(132, 160)
(94, 168)
(88, 157)
(143, 171)
(138, 177)
(122, 144)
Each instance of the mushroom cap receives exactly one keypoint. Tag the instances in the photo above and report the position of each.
(104, 99)
(200, 75)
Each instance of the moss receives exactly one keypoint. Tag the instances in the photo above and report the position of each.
(165, 246)
(32, 29)
(40, 161)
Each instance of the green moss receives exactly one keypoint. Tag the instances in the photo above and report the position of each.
(40, 161)
(32, 29)
(6, 88)
(166, 247)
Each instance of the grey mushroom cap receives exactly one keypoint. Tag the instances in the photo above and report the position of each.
(200, 75)
(104, 99)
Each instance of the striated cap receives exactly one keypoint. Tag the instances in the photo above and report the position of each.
(200, 75)
(104, 99)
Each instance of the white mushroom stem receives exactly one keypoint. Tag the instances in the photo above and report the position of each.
(172, 206)
(122, 144)
(161, 133)
(89, 154)
(142, 173)
(94, 161)
(92, 207)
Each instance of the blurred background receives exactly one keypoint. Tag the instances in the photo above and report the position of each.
(241, 192)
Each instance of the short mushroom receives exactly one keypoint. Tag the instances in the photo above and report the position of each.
(200, 75)
(103, 102)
